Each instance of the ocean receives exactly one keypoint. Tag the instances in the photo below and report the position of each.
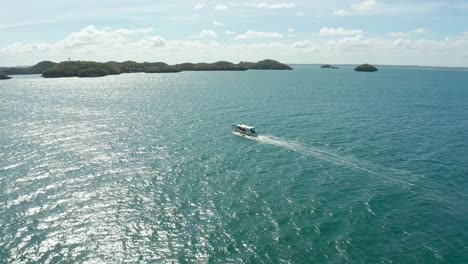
(349, 167)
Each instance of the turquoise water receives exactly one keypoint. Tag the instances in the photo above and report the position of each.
(349, 167)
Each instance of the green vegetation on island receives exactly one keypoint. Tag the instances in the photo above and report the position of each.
(98, 69)
(366, 68)
(328, 66)
(217, 66)
(161, 69)
(81, 69)
(4, 77)
(265, 65)
(39, 68)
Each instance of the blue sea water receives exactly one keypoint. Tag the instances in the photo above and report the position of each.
(349, 167)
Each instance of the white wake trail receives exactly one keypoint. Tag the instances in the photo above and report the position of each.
(310, 151)
(329, 156)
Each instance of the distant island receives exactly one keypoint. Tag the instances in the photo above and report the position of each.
(36, 69)
(328, 66)
(4, 77)
(365, 68)
(50, 69)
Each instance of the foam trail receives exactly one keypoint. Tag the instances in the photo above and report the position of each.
(310, 151)
(324, 155)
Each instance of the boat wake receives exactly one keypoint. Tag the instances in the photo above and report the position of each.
(321, 154)
(330, 156)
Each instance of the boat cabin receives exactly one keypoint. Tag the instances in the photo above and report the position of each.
(245, 130)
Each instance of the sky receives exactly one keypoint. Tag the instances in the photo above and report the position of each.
(393, 32)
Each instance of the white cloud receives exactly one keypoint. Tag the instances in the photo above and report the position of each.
(154, 41)
(104, 44)
(300, 14)
(302, 44)
(130, 32)
(331, 32)
(89, 43)
(26, 48)
(205, 33)
(419, 30)
(398, 34)
(275, 6)
(341, 12)
(220, 8)
(252, 34)
(406, 34)
(366, 5)
(291, 30)
(428, 46)
(218, 24)
(374, 7)
(266, 45)
(187, 45)
(199, 6)
(229, 32)
(353, 42)
(90, 35)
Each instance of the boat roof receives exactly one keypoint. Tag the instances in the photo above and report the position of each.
(245, 126)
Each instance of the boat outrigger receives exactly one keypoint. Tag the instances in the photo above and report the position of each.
(244, 130)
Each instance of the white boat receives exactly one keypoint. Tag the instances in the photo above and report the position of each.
(244, 130)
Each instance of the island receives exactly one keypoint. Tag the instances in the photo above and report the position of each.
(365, 68)
(4, 77)
(39, 68)
(328, 66)
(98, 69)
(81, 69)
(50, 69)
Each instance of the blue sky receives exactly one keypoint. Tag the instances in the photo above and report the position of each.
(375, 31)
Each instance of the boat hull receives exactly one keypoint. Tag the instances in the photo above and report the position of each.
(243, 132)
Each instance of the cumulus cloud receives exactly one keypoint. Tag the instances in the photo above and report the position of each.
(89, 40)
(205, 33)
(26, 48)
(104, 44)
(220, 8)
(275, 6)
(364, 6)
(302, 44)
(406, 34)
(199, 6)
(341, 12)
(266, 45)
(331, 32)
(90, 35)
(374, 7)
(424, 45)
(252, 34)
(218, 24)
(154, 41)
(353, 42)
(398, 34)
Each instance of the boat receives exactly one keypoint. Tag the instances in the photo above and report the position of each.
(244, 130)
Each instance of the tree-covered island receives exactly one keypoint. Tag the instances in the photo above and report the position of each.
(97, 69)
(328, 66)
(366, 68)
